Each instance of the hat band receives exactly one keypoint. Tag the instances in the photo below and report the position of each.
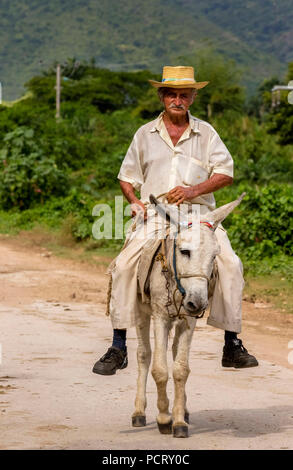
(178, 80)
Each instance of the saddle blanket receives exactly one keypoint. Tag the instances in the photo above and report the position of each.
(145, 266)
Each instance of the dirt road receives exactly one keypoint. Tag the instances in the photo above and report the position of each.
(53, 328)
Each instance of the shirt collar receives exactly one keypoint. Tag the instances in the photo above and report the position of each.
(193, 122)
(157, 123)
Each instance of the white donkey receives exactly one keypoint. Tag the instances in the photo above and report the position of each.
(184, 281)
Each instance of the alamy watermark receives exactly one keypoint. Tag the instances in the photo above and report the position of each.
(111, 224)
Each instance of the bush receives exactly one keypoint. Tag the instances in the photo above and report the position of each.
(27, 176)
(262, 225)
(257, 155)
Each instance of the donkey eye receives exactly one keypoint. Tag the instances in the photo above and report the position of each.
(185, 253)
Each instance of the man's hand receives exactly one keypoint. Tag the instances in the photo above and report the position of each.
(136, 205)
(180, 194)
(138, 208)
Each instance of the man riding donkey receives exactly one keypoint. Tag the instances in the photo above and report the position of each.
(184, 158)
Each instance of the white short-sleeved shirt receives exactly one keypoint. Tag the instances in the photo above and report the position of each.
(153, 165)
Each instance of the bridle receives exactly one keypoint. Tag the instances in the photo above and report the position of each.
(182, 276)
(177, 277)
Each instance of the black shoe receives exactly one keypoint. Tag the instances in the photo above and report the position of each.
(235, 355)
(111, 361)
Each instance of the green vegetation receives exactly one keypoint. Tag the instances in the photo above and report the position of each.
(134, 35)
(261, 228)
(52, 173)
(281, 121)
(28, 174)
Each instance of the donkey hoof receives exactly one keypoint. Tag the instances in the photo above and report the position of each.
(180, 431)
(138, 421)
(186, 417)
(165, 428)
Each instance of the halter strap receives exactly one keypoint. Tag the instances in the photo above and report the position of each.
(182, 276)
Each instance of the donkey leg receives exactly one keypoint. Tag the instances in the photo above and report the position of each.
(160, 374)
(143, 360)
(183, 336)
(174, 354)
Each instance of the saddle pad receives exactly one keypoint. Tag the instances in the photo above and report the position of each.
(145, 265)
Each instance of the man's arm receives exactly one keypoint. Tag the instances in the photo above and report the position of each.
(180, 194)
(129, 193)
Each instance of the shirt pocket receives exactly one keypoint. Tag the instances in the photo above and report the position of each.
(195, 173)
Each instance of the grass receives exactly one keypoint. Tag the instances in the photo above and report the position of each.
(274, 289)
(60, 243)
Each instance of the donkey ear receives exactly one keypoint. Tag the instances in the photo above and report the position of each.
(218, 215)
(153, 200)
(169, 212)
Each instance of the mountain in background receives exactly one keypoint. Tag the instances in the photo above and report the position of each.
(138, 34)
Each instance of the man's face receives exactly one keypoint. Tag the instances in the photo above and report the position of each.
(177, 101)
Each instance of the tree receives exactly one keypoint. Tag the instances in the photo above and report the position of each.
(261, 102)
(281, 118)
(83, 82)
(223, 93)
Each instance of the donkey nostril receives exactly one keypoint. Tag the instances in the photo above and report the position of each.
(191, 305)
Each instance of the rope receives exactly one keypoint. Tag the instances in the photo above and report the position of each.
(109, 292)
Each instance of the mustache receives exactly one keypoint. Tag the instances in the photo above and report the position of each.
(174, 106)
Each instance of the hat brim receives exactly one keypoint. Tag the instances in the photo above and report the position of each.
(175, 84)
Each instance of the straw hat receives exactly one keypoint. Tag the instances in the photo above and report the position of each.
(178, 77)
